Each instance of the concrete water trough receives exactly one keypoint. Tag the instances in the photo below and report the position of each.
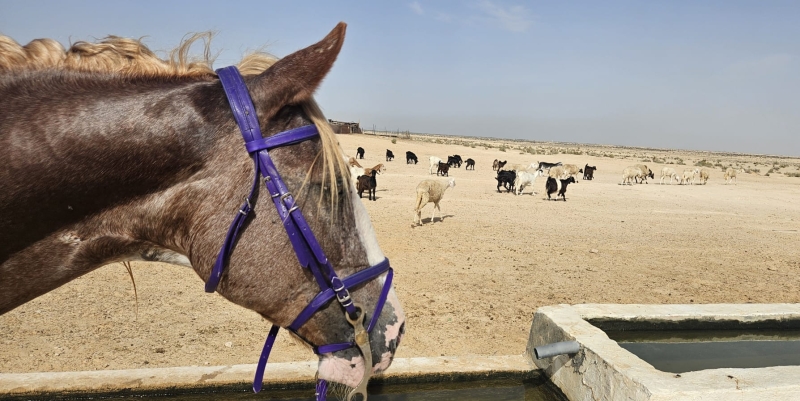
(603, 369)
(596, 366)
(466, 377)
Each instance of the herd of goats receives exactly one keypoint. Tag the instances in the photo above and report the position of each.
(514, 178)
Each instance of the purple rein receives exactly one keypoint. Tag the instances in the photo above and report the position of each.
(309, 253)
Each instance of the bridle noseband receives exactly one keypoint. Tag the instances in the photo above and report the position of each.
(307, 248)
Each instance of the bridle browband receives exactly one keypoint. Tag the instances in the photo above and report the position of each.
(308, 250)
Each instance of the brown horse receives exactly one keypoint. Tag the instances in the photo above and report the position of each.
(110, 154)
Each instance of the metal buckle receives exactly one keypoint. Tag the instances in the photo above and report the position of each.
(346, 300)
(362, 342)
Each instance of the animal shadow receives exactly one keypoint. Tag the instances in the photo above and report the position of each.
(438, 219)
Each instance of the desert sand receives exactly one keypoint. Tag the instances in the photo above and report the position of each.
(471, 281)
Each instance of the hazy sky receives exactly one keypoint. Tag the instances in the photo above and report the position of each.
(706, 75)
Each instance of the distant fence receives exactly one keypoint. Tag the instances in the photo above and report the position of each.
(393, 134)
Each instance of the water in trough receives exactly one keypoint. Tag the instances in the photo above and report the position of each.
(679, 351)
(537, 389)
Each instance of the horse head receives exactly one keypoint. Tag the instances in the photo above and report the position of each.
(154, 168)
(282, 96)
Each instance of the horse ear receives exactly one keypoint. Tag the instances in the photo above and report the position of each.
(295, 77)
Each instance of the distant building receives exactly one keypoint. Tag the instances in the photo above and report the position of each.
(340, 127)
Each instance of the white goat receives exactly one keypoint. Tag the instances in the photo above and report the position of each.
(434, 164)
(670, 174)
(430, 191)
(525, 178)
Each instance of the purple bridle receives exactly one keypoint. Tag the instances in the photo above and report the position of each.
(309, 252)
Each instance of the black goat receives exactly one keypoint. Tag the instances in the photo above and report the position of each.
(588, 172)
(389, 155)
(552, 186)
(547, 166)
(360, 153)
(444, 169)
(506, 179)
(470, 163)
(454, 161)
(411, 158)
(367, 183)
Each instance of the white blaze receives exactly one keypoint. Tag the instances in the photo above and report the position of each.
(365, 230)
(350, 371)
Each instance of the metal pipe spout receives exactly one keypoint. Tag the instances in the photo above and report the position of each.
(555, 349)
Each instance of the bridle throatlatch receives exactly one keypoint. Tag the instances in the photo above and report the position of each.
(309, 253)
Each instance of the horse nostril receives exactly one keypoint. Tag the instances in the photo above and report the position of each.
(400, 334)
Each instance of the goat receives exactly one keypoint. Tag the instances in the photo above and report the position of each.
(367, 183)
(389, 155)
(360, 153)
(547, 166)
(430, 191)
(494, 164)
(552, 186)
(434, 163)
(470, 163)
(444, 169)
(506, 179)
(588, 172)
(525, 178)
(411, 158)
(454, 161)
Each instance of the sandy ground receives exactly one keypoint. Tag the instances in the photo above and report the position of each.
(471, 282)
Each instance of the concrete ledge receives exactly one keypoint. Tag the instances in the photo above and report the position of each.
(602, 370)
(277, 375)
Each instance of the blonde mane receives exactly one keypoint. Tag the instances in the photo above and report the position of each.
(132, 58)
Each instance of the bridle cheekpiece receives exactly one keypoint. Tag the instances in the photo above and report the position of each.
(308, 250)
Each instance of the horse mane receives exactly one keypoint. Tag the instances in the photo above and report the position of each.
(132, 58)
